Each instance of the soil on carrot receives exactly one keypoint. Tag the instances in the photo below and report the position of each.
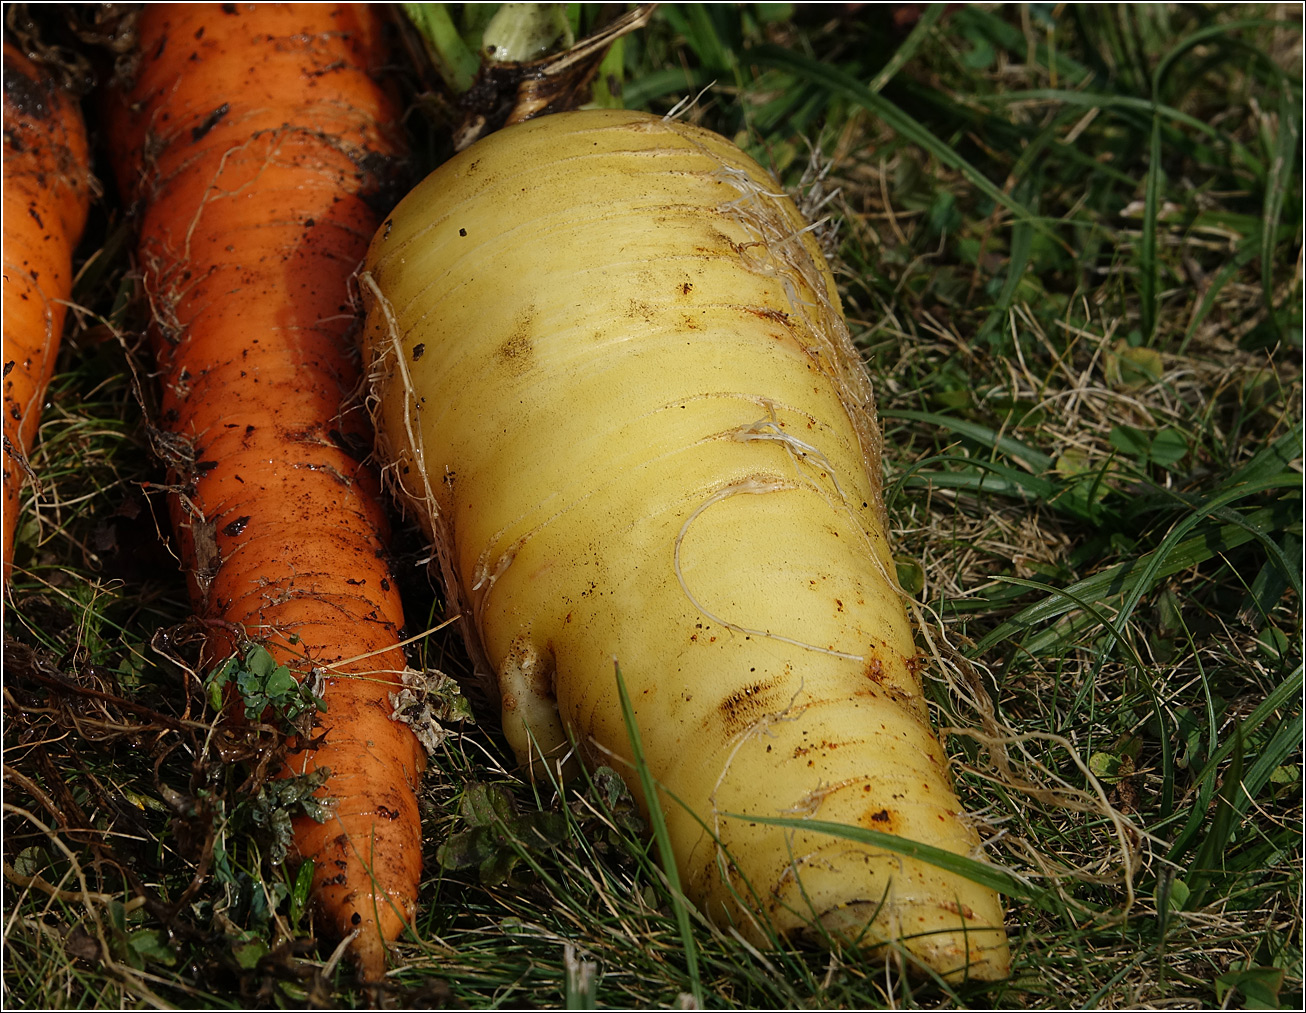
(1068, 243)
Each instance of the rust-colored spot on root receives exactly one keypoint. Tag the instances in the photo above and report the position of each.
(824, 746)
(745, 706)
(516, 353)
(964, 910)
(879, 818)
(766, 313)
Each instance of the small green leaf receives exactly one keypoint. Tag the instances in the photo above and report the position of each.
(217, 681)
(1287, 774)
(1259, 986)
(1169, 611)
(943, 215)
(610, 786)
(485, 805)
(280, 684)
(280, 800)
(301, 892)
(950, 398)
(1273, 643)
(1177, 896)
(29, 861)
(1130, 441)
(259, 661)
(498, 866)
(1072, 462)
(911, 576)
(769, 14)
(1105, 767)
(980, 56)
(1129, 747)
(498, 835)
(1133, 367)
(249, 953)
(458, 852)
(152, 944)
(1169, 446)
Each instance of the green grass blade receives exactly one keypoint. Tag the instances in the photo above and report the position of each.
(1222, 826)
(1275, 459)
(989, 478)
(1116, 626)
(903, 54)
(1286, 691)
(683, 82)
(1036, 459)
(1278, 180)
(838, 82)
(658, 822)
(1148, 268)
(1212, 507)
(1136, 578)
(1287, 738)
(696, 24)
(968, 868)
(975, 475)
(983, 477)
(1205, 34)
(1022, 241)
(1139, 110)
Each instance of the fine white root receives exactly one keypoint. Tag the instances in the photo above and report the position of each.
(484, 577)
(806, 453)
(427, 504)
(787, 258)
(412, 434)
(803, 453)
(750, 486)
(756, 729)
(687, 103)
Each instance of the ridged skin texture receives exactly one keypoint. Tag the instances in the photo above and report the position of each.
(257, 143)
(615, 380)
(47, 193)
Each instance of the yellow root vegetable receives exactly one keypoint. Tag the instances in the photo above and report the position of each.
(614, 381)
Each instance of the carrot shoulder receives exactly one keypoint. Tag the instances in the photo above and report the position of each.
(258, 145)
(47, 195)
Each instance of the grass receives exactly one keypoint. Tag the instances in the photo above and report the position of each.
(1069, 248)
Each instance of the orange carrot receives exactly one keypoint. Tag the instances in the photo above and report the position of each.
(47, 194)
(258, 145)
